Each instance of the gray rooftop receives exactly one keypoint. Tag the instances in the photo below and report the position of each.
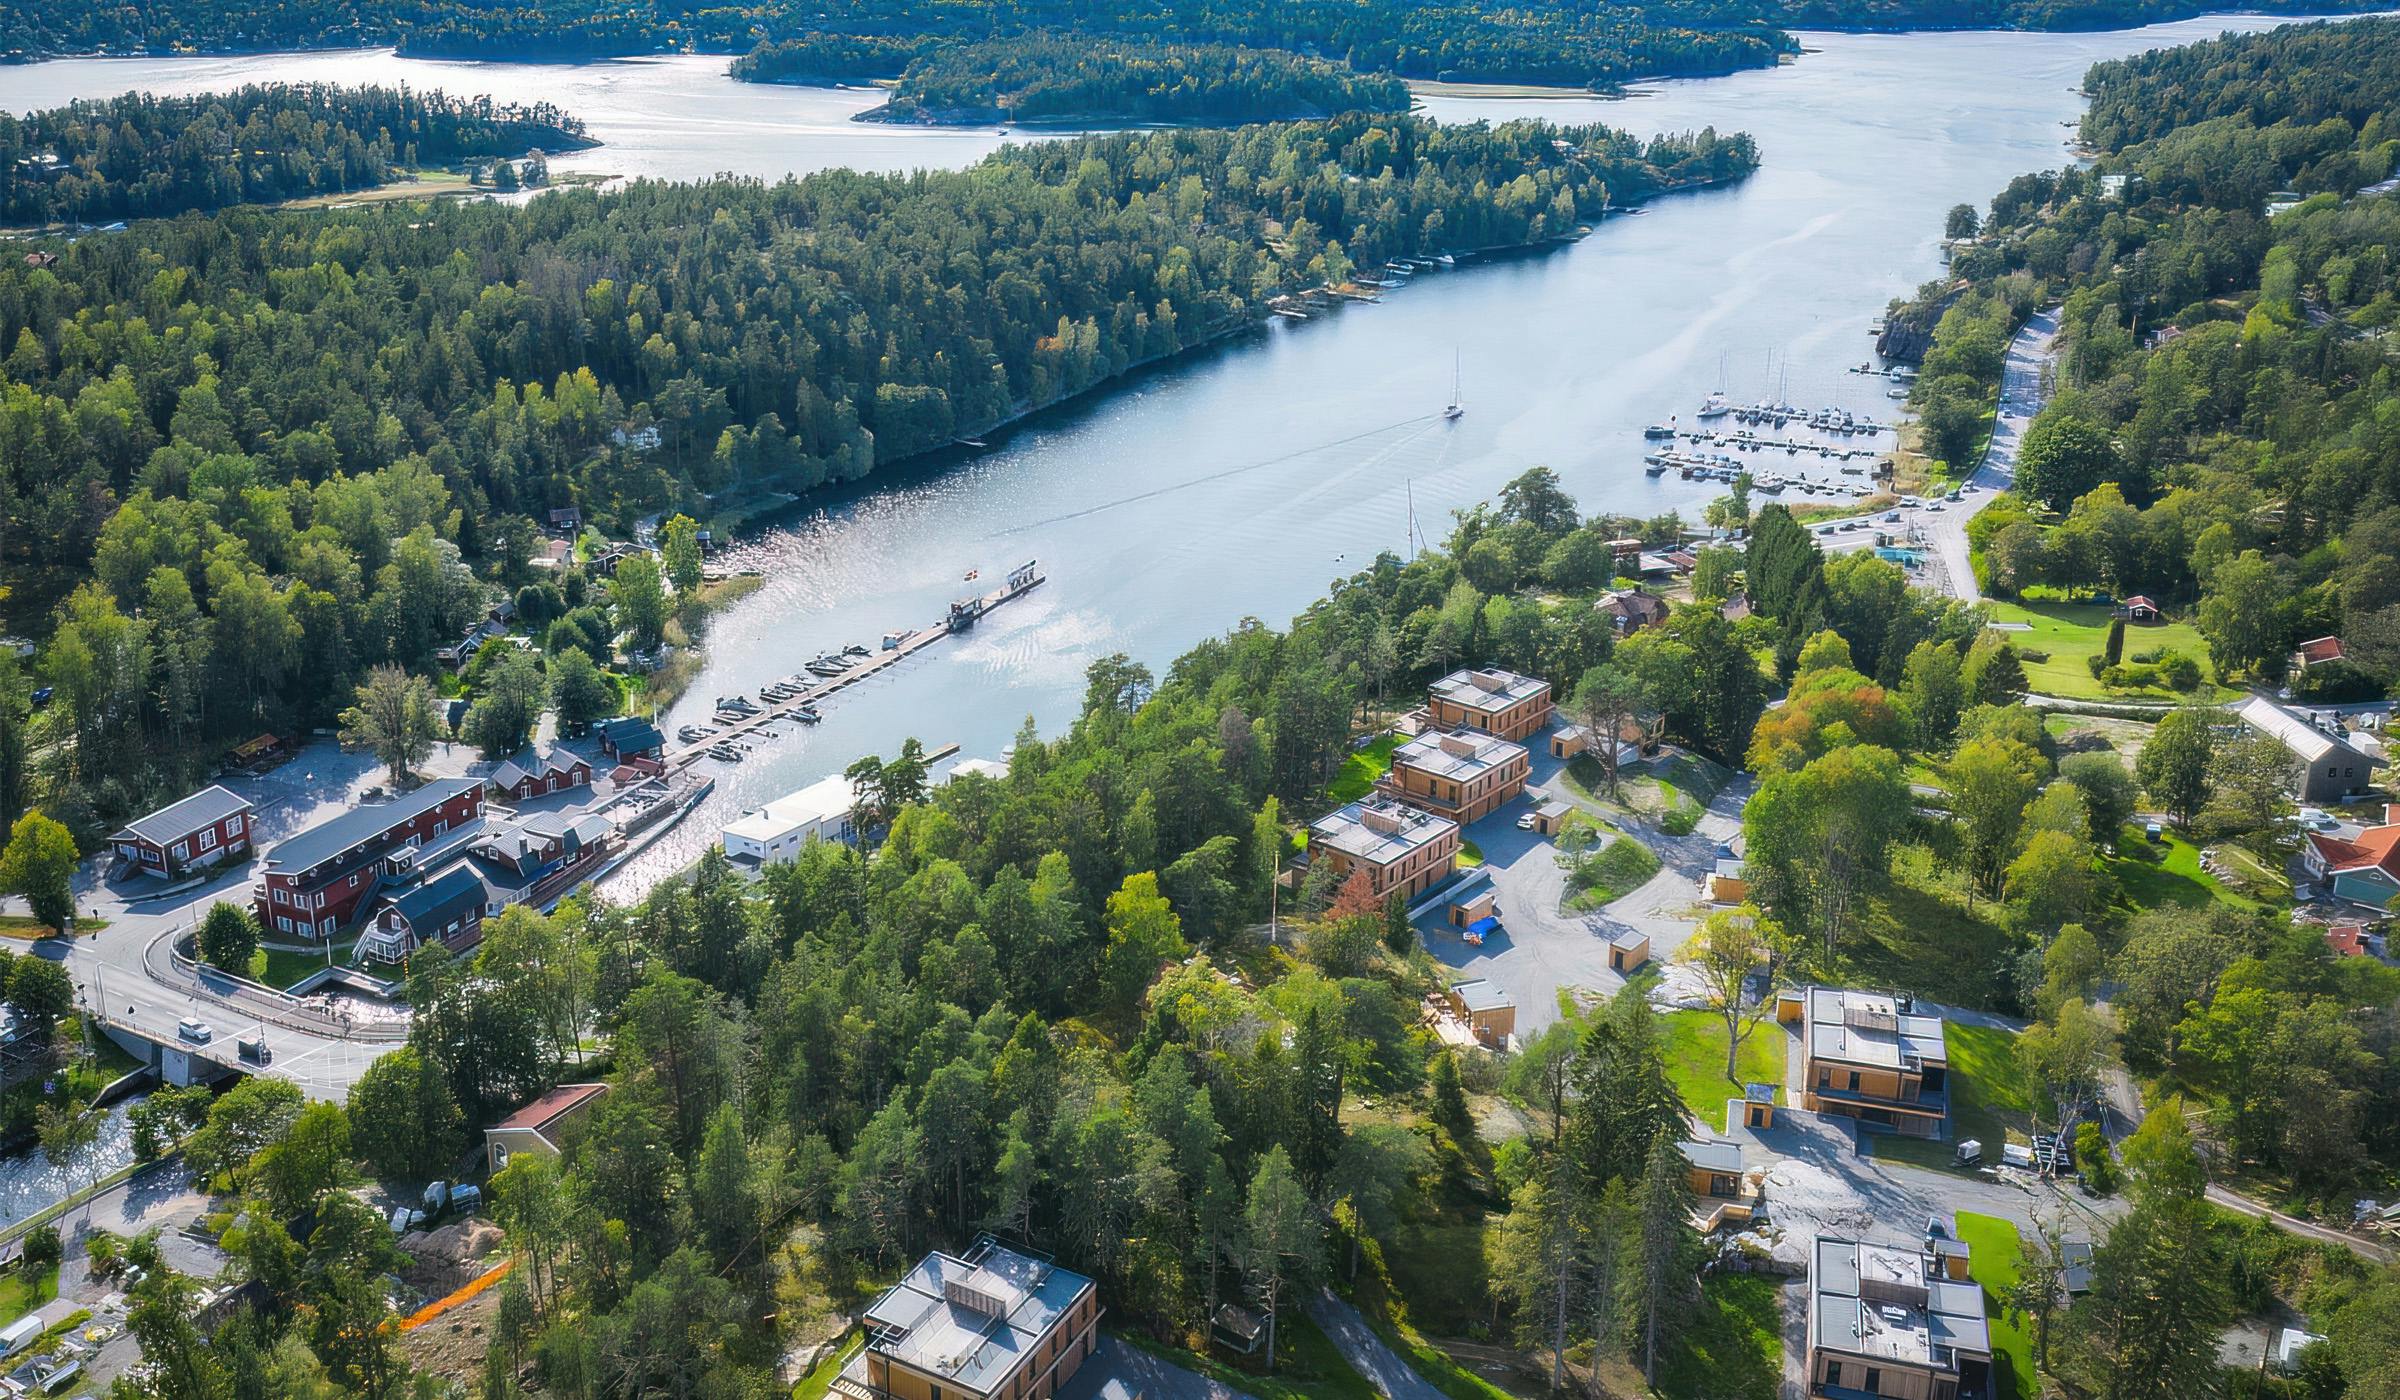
(1884, 1302)
(969, 1321)
(177, 820)
(1459, 757)
(1490, 690)
(362, 825)
(1714, 1155)
(1378, 832)
(1480, 995)
(1869, 1029)
(2307, 742)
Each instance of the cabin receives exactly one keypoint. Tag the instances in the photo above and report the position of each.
(1628, 951)
(1472, 907)
(540, 1127)
(1488, 1011)
(2139, 608)
(2316, 652)
(529, 775)
(208, 828)
(629, 738)
(1550, 818)
(1714, 1167)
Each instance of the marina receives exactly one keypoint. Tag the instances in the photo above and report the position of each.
(740, 724)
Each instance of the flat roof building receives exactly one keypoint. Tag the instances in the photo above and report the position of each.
(1875, 1058)
(1400, 847)
(996, 1322)
(1463, 776)
(1892, 1320)
(1491, 700)
(2325, 767)
(1487, 1010)
(775, 833)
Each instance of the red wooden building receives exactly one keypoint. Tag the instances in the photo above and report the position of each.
(319, 881)
(208, 827)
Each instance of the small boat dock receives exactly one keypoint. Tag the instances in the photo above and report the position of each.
(741, 721)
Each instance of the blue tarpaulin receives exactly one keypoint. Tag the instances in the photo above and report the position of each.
(1487, 924)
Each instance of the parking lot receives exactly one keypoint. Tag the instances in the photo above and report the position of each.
(1539, 950)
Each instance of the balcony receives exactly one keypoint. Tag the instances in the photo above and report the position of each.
(1935, 1103)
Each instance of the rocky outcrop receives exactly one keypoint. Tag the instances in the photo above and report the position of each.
(1908, 328)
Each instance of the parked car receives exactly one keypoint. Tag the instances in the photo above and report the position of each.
(195, 1030)
(1525, 822)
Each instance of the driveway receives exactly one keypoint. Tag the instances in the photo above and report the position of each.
(1392, 1377)
(1117, 1371)
(1542, 950)
(2023, 389)
(1817, 1183)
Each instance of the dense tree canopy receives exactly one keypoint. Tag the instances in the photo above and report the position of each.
(140, 156)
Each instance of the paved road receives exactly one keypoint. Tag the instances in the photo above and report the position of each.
(1384, 1368)
(2023, 389)
(1115, 1371)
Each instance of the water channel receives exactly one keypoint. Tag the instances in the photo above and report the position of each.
(1241, 481)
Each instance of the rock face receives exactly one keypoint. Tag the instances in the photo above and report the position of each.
(1908, 330)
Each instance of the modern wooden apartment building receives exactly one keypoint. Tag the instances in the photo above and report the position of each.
(1400, 847)
(1491, 700)
(994, 1324)
(1463, 775)
(1872, 1057)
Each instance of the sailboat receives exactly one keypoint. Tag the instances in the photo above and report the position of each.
(1457, 408)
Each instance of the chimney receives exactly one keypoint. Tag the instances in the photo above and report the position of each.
(1458, 746)
(1490, 682)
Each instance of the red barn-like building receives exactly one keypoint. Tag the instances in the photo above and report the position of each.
(206, 828)
(319, 881)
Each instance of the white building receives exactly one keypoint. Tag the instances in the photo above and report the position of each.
(776, 832)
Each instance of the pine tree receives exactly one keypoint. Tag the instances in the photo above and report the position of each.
(1663, 1245)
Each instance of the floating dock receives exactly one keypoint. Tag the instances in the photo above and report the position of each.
(804, 691)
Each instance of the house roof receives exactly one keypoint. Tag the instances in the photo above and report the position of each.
(1488, 691)
(628, 732)
(551, 1108)
(176, 820)
(1378, 832)
(2347, 941)
(1477, 994)
(2318, 649)
(1869, 1028)
(1713, 1155)
(1882, 1302)
(2307, 742)
(971, 1321)
(453, 894)
(1459, 757)
(2141, 600)
(362, 825)
(531, 765)
(1633, 605)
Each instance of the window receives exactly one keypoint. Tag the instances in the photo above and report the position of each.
(1874, 1384)
(283, 896)
(1854, 1081)
(283, 921)
(208, 839)
(181, 850)
(1833, 1373)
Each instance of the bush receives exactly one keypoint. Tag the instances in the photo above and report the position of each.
(42, 1248)
(2181, 672)
(2032, 656)
(2096, 664)
(1683, 821)
(2091, 1152)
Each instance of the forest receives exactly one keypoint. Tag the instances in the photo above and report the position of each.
(334, 431)
(1066, 79)
(140, 156)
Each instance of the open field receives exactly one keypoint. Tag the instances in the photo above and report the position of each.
(2072, 632)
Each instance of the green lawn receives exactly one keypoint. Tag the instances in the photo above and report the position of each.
(1996, 1253)
(280, 969)
(27, 927)
(21, 1293)
(818, 1382)
(1732, 1348)
(1620, 867)
(2071, 632)
(1990, 1097)
(1470, 855)
(1695, 1049)
(1361, 769)
(2153, 874)
(1918, 934)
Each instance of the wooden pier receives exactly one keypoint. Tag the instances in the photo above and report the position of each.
(963, 616)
